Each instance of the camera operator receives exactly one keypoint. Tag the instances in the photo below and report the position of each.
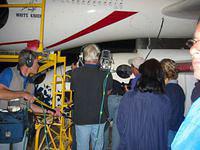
(90, 83)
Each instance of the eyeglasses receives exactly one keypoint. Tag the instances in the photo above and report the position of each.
(191, 42)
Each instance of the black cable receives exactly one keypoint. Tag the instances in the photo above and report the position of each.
(45, 128)
(161, 26)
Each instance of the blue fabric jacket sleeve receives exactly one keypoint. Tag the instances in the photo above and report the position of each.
(187, 137)
(121, 117)
(6, 77)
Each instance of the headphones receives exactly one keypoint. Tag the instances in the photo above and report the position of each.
(27, 57)
(29, 60)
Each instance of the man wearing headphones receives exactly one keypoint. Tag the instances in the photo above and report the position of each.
(14, 84)
(91, 86)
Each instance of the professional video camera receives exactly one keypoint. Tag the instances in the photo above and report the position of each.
(106, 60)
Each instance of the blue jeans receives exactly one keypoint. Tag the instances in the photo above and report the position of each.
(113, 105)
(88, 133)
(74, 147)
(16, 146)
(171, 135)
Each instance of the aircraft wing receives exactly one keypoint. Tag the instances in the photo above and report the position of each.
(187, 9)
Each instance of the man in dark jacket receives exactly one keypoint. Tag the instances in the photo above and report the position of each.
(91, 86)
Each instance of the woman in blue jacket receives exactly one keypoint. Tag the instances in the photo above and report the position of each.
(144, 113)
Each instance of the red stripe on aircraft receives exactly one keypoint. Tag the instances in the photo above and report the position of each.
(110, 19)
(18, 42)
(30, 43)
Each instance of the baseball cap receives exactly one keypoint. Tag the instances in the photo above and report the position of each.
(136, 61)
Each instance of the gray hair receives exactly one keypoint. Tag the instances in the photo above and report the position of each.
(26, 56)
(91, 52)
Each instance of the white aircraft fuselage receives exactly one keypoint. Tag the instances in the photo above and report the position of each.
(72, 23)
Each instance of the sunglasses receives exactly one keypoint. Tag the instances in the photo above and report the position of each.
(191, 42)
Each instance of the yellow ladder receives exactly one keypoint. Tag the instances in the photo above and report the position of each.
(59, 133)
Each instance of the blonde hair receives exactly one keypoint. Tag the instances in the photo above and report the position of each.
(91, 52)
(169, 68)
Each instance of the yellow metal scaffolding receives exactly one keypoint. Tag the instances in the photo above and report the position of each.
(59, 132)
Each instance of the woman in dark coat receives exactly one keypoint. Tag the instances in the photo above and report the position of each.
(144, 113)
(176, 95)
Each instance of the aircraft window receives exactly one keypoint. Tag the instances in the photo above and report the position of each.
(3, 14)
(116, 4)
(124, 71)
